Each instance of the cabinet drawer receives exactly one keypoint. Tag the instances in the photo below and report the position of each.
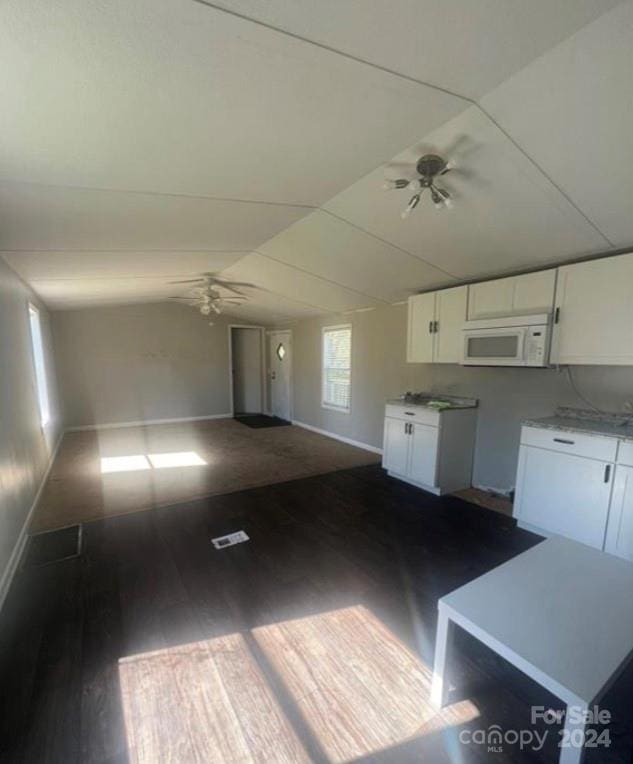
(625, 453)
(578, 444)
(413, 414)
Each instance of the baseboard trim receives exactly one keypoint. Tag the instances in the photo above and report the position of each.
(141, 422)
(18, 550)
(342, 438)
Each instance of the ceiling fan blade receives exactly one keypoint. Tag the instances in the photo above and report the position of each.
(187, 281)
(400, 171)
(231, 284)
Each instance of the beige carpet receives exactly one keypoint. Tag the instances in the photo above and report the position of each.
(234, 457)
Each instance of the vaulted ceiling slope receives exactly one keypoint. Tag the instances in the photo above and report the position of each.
(146, 140)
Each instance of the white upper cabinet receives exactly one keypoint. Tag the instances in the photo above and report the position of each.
(594, 312)
(514, 296)
(450, 315)
(420, 324)
(435, 323)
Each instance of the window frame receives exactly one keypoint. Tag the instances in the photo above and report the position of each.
(40, 373)
(325, 404)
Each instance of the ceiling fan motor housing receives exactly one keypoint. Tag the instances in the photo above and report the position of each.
(430, 165)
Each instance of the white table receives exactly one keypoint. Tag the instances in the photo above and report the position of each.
(562, 613)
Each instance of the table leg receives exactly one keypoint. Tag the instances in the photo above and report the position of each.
(573, 741)
(439, 688)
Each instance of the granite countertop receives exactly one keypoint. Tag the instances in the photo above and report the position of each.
(588, 422)
(454, 401)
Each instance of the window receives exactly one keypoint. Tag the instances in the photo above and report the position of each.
(39, 364)
(336, 367)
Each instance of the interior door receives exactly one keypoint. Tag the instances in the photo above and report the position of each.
(396, 446)
(246, 354)
(423, 456)
(565, 494)
(279, 373)
(450, 314)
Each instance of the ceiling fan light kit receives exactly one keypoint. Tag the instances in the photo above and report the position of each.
(428, 167)
(207, 297)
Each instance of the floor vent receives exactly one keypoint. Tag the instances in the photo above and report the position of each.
(53, 546)
(229, 540)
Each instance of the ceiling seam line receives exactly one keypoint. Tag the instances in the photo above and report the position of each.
(394, 73)
(545, 174)
(316, 276)
(70, 187)
(388, 243)
(173, 250)
(330, 49)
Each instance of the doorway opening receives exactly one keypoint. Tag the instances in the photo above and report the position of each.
(246, 364)
(279, 361)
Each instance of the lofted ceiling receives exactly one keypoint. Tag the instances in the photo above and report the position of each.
(147, 140)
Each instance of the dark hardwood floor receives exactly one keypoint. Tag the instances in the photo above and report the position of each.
(351, 550)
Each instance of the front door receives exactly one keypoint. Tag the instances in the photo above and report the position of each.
(279, 372)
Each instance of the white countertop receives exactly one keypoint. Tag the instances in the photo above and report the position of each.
(609, 426)
(454, 401)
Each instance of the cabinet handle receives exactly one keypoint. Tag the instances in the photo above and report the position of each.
(566, 442)
(436, 326)
(409, 413)
(607, 473)
(557, 315)
(430, 327)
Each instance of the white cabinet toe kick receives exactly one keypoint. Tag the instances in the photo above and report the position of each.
(430, 449)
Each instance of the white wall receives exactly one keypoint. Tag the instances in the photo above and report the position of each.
(140, 362)
(25, 449)
(379, 372)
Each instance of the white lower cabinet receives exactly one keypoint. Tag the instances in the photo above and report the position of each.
(619, 538)
(423, 453)
(396, 446)
(569, 484)
(563, 494)
(431, 449)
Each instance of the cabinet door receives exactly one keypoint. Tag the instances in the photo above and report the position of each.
(595, 313)
(619, 538)
(450, 314)
(420, 317)
(490, 299)
(564, 494)
(514, 296)
(395, 455)
(533, 293)
(423, 454)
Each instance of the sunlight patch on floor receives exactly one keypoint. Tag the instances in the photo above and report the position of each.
(176, 459)
(137, 462)
(205, 701)
(131, 463)
(359, 688)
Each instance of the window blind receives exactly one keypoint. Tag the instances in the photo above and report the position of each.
(336, 378)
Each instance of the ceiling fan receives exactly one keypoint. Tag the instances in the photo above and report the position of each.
(428, 168)
(206, 293)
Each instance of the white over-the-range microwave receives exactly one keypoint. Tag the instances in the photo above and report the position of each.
(511, 341)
